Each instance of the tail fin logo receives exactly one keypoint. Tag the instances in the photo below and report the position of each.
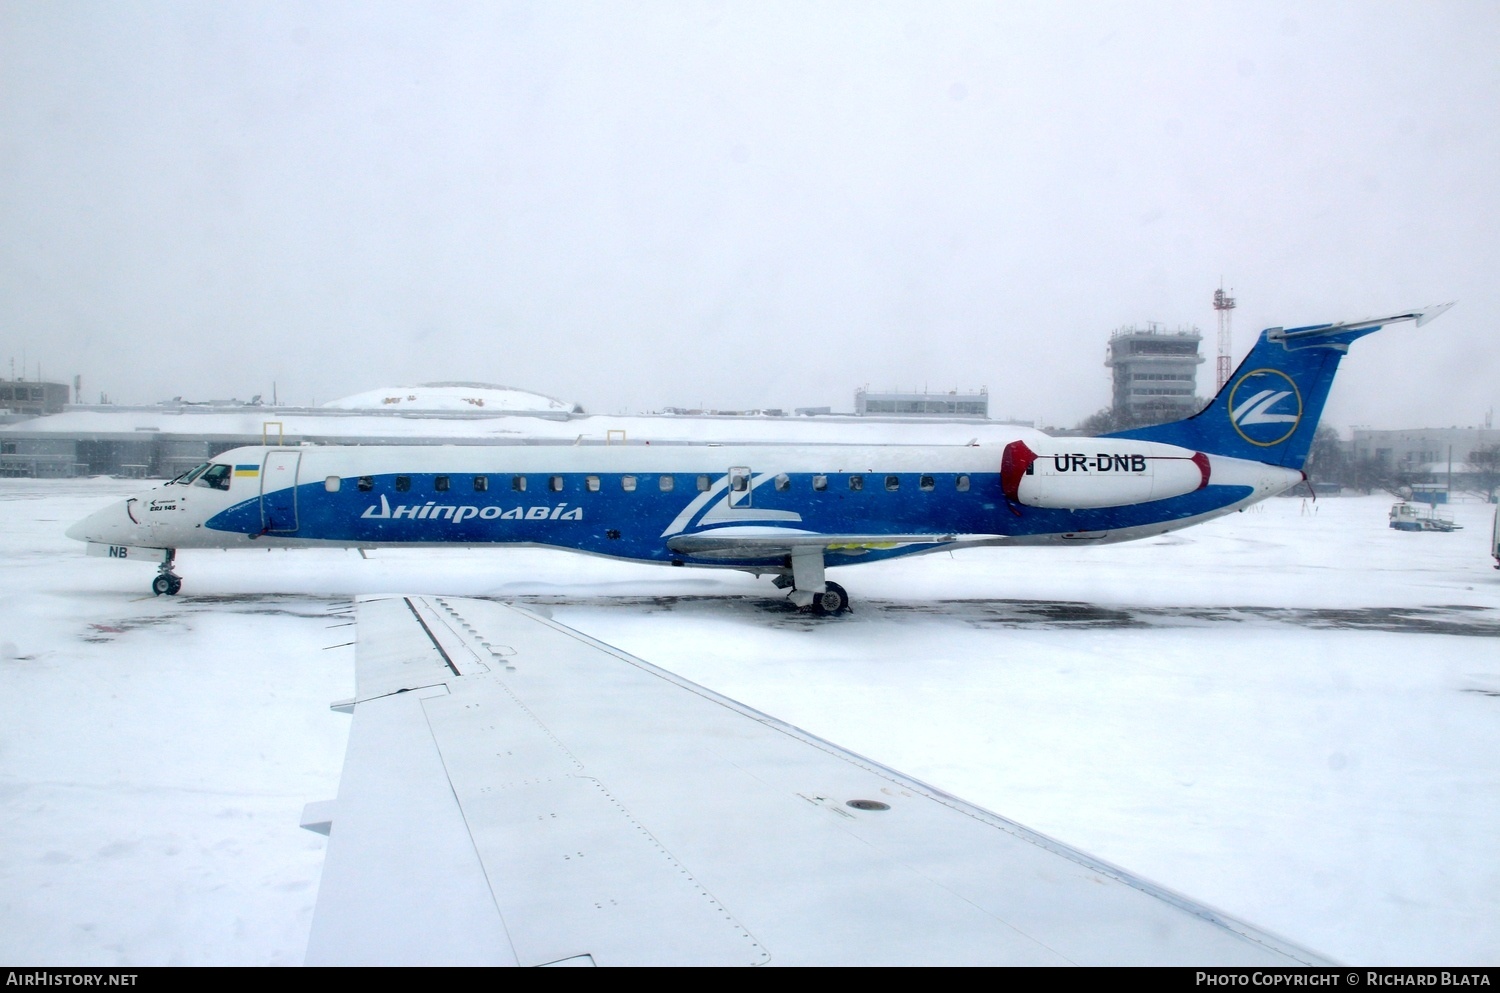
(1265, 407)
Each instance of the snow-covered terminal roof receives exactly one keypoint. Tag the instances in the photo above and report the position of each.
(461, 397)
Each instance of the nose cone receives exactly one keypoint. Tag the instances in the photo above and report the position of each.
(114, 525)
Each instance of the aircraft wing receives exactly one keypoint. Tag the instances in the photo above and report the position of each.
(517, 793)
(760, 542)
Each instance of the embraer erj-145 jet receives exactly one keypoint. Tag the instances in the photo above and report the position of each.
(784, 510)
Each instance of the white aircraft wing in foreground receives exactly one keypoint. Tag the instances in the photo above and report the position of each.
(518, 793)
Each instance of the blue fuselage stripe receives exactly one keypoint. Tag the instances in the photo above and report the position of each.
(614, 521)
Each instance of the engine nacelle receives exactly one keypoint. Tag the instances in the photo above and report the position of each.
(1087, 473)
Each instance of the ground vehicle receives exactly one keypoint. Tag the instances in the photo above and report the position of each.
(1412, 517)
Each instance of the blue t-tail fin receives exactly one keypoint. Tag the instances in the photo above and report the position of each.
(1268, 410)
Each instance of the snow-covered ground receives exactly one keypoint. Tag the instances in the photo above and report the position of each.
(1292, 714)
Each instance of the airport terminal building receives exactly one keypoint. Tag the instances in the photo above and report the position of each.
(922, 404)
(163, 440)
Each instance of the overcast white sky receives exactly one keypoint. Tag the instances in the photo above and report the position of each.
(741, 204)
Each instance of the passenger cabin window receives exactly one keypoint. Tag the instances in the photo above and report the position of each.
(481, 483)
(518, 483)
(739, 482)
(331, 484)
(555, 484)
(856, 482)
(703, 484)
(215, 477)
(666, 483)
(627, 483)
(403, 483)
(366, 484)
(892, 483)
(927, 483)
(962, 483)
(591, 483)
(820, 483)
(783, 482)
(440, 483)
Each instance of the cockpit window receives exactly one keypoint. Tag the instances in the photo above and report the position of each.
(191, 474)
(215, 477)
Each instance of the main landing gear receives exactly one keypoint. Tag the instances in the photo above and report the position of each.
(809, 588)
(833, 600)
(166, 580)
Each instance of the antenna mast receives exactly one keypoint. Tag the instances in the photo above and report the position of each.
(1223, 305)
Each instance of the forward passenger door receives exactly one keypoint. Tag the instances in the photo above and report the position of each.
(278, 492)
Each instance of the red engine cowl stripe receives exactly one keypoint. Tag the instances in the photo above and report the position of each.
(1015, 463)
(1201, 461)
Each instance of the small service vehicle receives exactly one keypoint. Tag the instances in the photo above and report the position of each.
(1411, 517)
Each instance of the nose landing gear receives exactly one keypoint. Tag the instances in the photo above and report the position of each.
(166, 580)
(166, 583)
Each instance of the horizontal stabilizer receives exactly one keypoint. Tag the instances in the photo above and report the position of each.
(1323, 331)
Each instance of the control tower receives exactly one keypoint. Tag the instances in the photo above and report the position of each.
(1155, 373)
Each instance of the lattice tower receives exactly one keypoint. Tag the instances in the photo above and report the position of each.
(1224, 304)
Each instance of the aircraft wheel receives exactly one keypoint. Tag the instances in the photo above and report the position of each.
(174, 587)
(833, 600)
(162, 584)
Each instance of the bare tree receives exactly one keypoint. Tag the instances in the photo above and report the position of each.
(1326, 460)
(1484, 469)
(1110, 420)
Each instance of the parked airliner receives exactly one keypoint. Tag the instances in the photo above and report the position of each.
(784, 510)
